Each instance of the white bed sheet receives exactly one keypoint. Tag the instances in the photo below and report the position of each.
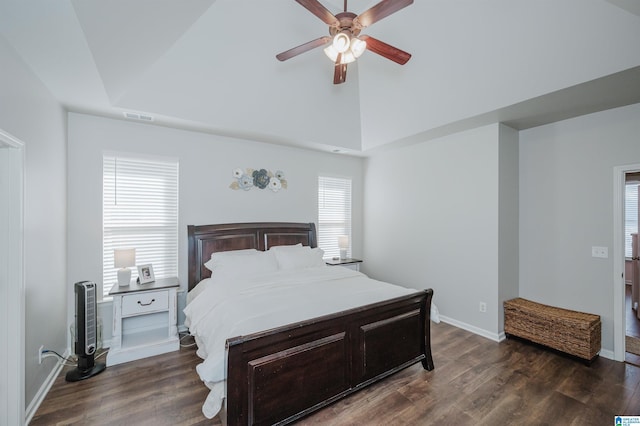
(223, 308)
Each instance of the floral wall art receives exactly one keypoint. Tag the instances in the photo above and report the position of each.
(260, 179)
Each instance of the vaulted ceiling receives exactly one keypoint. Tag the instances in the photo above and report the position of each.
(209, 65)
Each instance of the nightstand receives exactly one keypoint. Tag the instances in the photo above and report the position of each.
(347, 263)
(144, 320)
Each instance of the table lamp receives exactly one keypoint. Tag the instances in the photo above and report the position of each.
(123, 258)
(343, 244)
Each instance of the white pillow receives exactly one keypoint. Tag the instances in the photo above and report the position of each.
(242, 263)
(232, 253)
(222, 256)
(298, 256)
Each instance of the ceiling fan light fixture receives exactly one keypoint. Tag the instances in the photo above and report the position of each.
(341, 42)
(358, 46)
(348, 57)
(332, 53)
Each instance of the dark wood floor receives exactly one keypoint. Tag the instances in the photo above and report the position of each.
(476, 382)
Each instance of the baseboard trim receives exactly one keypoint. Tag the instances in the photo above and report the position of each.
(499, 337)
(496, 337)
(604, 353)
(44, 389)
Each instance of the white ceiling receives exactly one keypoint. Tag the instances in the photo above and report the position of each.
(209, 65)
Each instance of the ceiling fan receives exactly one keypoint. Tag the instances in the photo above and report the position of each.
(345, 43)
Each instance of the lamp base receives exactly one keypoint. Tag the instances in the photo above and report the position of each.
(343, 254)
(124, 277)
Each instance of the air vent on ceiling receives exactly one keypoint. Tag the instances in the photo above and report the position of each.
(137, 116)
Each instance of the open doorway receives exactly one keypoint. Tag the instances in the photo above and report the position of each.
(12, 406)
(632, 272)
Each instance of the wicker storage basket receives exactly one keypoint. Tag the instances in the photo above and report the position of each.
(572, 332)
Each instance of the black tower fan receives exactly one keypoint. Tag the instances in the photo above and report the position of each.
(85, 333)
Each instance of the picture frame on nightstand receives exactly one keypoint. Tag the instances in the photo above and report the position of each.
(145, 274)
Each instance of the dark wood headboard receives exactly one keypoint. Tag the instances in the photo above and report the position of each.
(207, 239)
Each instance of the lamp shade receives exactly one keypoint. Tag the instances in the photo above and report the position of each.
(123, 258)
(343, 241)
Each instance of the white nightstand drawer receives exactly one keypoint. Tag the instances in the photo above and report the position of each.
(144, 302)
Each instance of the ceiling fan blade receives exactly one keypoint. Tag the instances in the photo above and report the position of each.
(320, 11)
(383, 49)
(339, 71)
(379, 11)
(303, 48)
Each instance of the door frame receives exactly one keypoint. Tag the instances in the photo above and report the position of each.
(12, 346)
(619, 314)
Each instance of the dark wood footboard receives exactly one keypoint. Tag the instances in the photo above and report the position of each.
(280, 375)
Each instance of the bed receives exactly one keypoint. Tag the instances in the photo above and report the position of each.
(280, 374)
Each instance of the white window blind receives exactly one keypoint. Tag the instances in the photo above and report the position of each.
(334, 213)
(631, 215)
(140, 210)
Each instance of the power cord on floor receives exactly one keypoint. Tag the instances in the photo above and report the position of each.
(69, 361)
(183, 335)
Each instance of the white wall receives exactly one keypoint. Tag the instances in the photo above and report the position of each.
(206, 166)
(30, 113)
(566, 207)
(432, 220)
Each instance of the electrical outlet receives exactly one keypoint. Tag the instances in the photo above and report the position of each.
(40, 354)
(483, 307)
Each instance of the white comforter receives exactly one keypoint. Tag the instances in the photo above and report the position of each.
(223, 308)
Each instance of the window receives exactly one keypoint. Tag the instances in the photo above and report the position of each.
(334, 213)
(140, 210)
(631, 215)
